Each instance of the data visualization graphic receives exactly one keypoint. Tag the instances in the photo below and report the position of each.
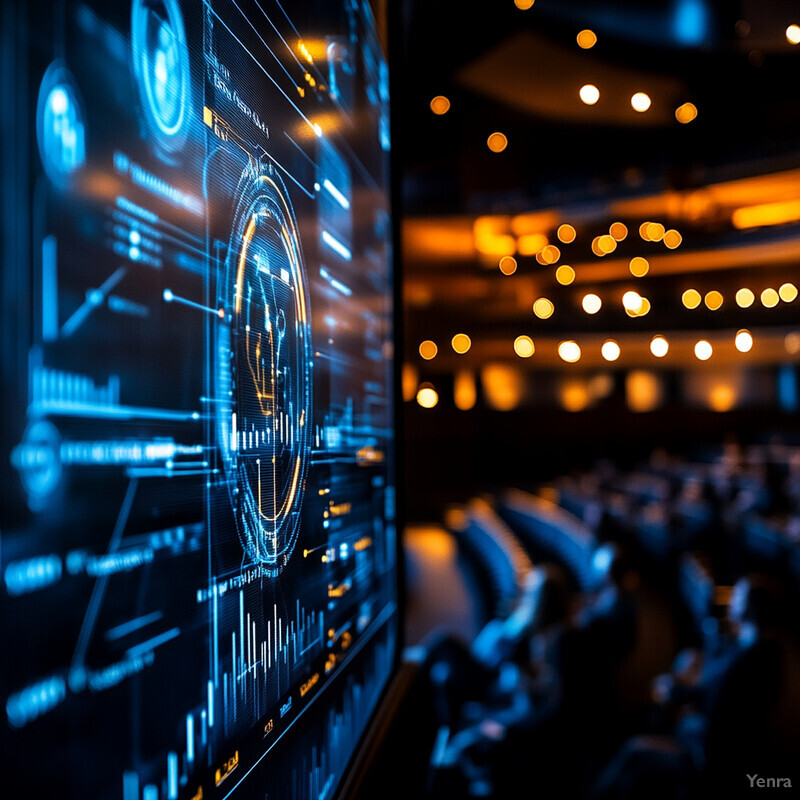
(265, 371)
(197, 534)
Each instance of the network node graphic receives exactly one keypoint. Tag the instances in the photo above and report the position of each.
(60, 126)
(264, 373)
(38, 460)
(161, 65)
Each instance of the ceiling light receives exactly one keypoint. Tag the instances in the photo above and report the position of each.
(497, 142)
(639, 266)
(524, 347)
(428, 349)
(543, 308)
(691, 298)
(569, 351)
(610, 350)
(461, 343)
(659, 346)
(565, 275)
(566, 233)
(589, 94)
(703, 350)
(686, 113)
(440, 105)
(591, 303)
(427, 396)
(744, 341)
(508, 265)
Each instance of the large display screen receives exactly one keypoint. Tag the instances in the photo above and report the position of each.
(197, 532)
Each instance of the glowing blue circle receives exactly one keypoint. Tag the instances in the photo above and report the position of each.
(38, 460)
(60, 127)
(161, 64)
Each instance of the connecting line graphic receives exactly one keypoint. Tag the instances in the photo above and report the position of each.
(280, 36)
(259, 64)
(94, 298)
(170, 297)
(99, 589)
(269, 49)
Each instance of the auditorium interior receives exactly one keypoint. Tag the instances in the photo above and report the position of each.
(599, 255)
(400, 399)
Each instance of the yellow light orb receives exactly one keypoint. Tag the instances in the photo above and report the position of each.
(640, 102)
(589, 94)
(565, 275)
(440, 105)
(655, 231)
(428, 349)
(508, 265)
(769, 298)
(713, 300)
(497, 142)
(632, 301)
(591, 303)
(744, 298)
(523, 5)
(788, 292)
(524, 347)
(566, 233)
(607, 243)
(793, 34)
(691, 298)
(610, 350)
(659, 346)
(586, 39)
(744, 341)
(618, 230)
(639, 266)
(643, 231)
(703, 350)
(672, 238)
(461, 343)
(543, 308)
(596, 249)
(551, 254)
(686, 113)
(427, 396)
(569, 351)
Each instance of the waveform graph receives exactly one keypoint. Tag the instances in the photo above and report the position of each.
(264, 372)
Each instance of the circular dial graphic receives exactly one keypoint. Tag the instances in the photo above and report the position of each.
(265, 374)
(161, 64)
(60, 126)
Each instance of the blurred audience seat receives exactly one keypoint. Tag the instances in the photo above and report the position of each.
(549, 532)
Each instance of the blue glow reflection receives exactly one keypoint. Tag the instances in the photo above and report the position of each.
(60, 126)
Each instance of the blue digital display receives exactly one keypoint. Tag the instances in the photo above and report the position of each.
(197, 530)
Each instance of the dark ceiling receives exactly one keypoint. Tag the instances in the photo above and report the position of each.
(519, 72)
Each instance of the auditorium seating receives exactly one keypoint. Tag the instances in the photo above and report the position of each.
(496, 556)
(549, 532)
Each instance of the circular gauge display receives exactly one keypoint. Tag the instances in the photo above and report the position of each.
(161, 65)
(264, 373)
(60, 127)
